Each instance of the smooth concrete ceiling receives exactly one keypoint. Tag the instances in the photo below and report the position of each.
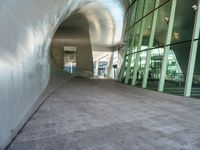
(105, 19)
(76, 35)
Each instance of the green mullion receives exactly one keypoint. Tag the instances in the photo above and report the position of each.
(167, 47)
(193, 53)
(151, 40)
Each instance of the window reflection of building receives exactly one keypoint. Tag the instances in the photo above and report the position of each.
(173, 69)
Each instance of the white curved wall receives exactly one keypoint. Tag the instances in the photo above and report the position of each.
(26, 29)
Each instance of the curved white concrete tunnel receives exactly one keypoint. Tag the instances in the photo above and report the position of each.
(26, 32)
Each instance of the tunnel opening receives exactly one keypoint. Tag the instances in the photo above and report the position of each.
(73, 51)
(71, 47)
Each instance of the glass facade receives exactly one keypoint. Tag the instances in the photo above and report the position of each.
(161, 48)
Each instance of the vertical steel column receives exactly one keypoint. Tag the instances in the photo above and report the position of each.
(151, 41)
(139, 46)
(167, 47)
(193, 53)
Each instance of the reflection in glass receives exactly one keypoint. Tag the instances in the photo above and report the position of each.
(150, 4)
(177, 68)
(162, 26)
(183, 22)
(155, 68)
(140, 9)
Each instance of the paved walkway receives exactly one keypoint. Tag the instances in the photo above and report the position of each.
(87, 114)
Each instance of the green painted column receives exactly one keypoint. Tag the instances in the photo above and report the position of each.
(139, 47)
(150, 45)
(167, 47)
(193, 53)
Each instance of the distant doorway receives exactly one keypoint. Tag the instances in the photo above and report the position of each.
(70, 59)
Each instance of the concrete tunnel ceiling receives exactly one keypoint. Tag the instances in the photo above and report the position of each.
(105, 19)
(26, 32)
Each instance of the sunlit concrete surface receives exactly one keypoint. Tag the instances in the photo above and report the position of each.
(86, 114)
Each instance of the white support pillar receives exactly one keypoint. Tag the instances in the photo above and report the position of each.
(71, 70)
(97, 67)
(151, 41)
(110, 66)
(167, 47)
(193, 53)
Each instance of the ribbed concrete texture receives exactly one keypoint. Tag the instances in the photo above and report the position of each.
(87, 114)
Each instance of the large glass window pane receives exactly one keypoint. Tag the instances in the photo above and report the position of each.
(132, 68)
(140, 8)
(155, 68)
(136, 36)
(163, 1)
(147, 30)
(184, 21)
(133, 15)
(141, 67)
(129, 18)
(142, 56)
(162, 26)
(177, 68)
(150, 4)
